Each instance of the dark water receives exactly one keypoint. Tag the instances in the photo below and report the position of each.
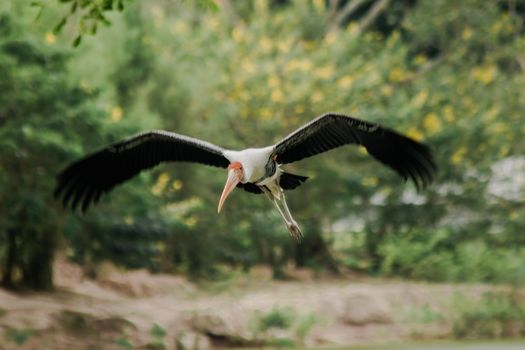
(512, 345)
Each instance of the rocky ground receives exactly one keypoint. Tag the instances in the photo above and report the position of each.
(125, 310)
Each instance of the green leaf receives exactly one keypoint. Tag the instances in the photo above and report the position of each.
(77, 40)
(74, 7)
(107, 5)
(60, 25)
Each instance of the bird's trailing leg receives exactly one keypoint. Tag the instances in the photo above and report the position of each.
(291, 224)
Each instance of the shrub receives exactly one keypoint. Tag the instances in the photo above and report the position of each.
(495, 315)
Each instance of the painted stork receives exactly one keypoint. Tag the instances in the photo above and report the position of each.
(256, 170)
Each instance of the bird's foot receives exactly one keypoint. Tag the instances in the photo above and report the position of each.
(295, 231)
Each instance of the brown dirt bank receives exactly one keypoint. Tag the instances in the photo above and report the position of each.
(136, 309)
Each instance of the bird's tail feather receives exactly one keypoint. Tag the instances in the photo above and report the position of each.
(291, 181)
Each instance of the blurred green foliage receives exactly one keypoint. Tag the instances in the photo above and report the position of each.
(19, 336)
(495, 315)
(447, 72)
(277, 318)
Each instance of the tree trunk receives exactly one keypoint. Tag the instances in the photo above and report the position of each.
(7, 278)
(38, 270)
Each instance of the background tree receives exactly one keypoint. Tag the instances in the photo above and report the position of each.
(41, 115)
(444, 72)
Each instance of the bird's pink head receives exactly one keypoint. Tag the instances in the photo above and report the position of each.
(235, 165)
(235, 175)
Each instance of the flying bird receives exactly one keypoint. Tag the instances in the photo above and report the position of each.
(256, 170)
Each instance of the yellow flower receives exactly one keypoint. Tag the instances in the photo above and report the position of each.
(331, 37)
(387, 90)
(160, 185)
(491, 114)
(415, 134)
(420, 59)
(317, 97)
(116, 114)
(266, 44)
(345, 82)
(319, 5)
(299, 109)
(504, 151)
(277, 96)
(158, 15)
(191, 221)
(238, 33)
(457, 157)
(432, 123)
(498, 128)
(261, 6)
(467, 34)
(485, 74)
(420, 98)
(213, 22)
(448, 113)
(285, 45)
(397, 74)
(298, 64)
(496, 27)
(265, 113)
(176, 185)
(274, 81)
(305, 65)
(179, 27)
(309, 44)
(248, 66)
(370, 181)
(353, 28)
(50, 38)
(325, 72)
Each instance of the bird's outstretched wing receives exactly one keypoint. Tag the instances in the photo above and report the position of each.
(84, 181)
(410, 159)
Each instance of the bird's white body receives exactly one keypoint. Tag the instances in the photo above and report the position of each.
(253, 161)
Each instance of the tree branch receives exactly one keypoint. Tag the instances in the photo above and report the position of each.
(372, 14)
(350, 7)
(333, 5)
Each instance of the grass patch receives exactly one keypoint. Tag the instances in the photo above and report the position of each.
(124, 343)
(277, 318)
(424, 314)
(283, 327)
(157, 337)
(19, 336)
(495, 315)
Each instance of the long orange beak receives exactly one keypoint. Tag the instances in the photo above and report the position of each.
(234, 176)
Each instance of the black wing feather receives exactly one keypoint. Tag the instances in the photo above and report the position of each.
(83, 182)
(409, 158)
(250, 187)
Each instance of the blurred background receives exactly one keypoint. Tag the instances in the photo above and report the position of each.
(446, 262)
